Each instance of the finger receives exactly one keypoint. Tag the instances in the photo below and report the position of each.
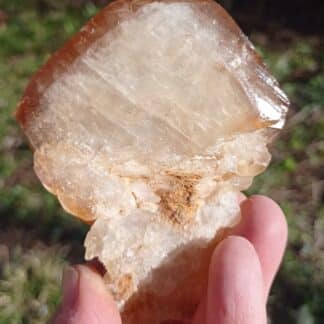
(235, 288)
(200, 314)
(264, 225)
(85, 299)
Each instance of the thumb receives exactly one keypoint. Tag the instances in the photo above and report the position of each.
(85, 299)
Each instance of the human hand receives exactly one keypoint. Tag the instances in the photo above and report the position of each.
(241, 272)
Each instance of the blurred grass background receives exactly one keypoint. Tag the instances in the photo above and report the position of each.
(37, 237)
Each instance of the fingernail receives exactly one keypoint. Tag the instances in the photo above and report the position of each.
(70, 286)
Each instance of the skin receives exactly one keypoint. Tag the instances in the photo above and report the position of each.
(241, 273)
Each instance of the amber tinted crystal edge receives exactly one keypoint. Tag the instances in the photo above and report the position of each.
(56, 65)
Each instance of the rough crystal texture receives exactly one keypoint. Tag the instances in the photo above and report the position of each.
(147, 124)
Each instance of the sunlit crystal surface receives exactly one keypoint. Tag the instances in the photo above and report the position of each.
(148, 127)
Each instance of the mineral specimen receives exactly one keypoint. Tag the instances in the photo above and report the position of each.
(146, 125)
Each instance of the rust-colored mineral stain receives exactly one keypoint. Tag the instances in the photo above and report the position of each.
(177, 204)
(124, 286)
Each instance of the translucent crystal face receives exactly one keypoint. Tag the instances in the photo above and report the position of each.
(149, 122)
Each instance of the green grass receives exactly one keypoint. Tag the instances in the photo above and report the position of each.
(37, 237)
(295, 180)
(29, 285)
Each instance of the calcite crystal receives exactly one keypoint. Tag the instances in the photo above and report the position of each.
(147, 124)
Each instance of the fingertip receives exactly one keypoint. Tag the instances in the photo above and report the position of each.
(262, 201)
(261, 213)
(263, 218)
(235, 287)
(272, 213)
(233, 249)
